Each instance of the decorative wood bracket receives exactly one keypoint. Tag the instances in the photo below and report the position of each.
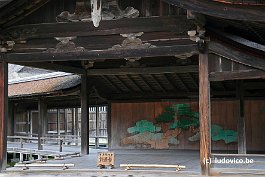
(105, 10)
(65, 45)
(6, 46)
(81, 13)
(132, 42)
(199, 37)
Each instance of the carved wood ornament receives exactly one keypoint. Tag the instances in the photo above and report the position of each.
(97, 11)
(65, 45)
(132, 42)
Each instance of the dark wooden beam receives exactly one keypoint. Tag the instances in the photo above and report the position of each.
(241, 120)
(246, 12)
(237, 39)
(145, 70)
(237, 55)
(101, 42)
(84, 115)
(102, 54)
(53, 67)
(237, 75)
(178, 24)
(155, 95)
(3, 114)
(205, 113)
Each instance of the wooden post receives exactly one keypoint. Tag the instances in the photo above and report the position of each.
(45, 118)
(3, 114)
(76, 125)
(42, 109)
(10, 122)
(84, 116)
(58, 122)
(97, 128)
(204, 110)
(109, 124)
(73, 121)
(241, 125)
(65, 121)
(76, 121)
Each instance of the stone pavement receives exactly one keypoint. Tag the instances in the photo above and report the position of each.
(87, 165)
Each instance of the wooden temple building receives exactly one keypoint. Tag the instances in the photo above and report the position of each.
(174, 74)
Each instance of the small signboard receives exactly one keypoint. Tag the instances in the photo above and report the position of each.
(106, 159)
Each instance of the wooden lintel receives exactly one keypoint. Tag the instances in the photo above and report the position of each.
(245, 12)
(103, 54)
(169, 95)
(237, 75)
(149, 70)
(53, 67)
(177, 24)
(237, 55)
(102, 42)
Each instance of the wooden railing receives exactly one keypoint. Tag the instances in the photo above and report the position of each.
(52, 139)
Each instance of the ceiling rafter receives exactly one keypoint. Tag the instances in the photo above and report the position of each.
(182, 83)
(162, 88)
(123, 83)
(170, 81)
(135, 83)
(193, 80)
(118, 90)
(146, 83)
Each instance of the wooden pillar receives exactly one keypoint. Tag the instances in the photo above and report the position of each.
(241, 125)
(65, 121)
(73, 121)
(42, 116)
(84, 116)
(109, 124)
(97, 128)
(10, 122)
(58, 123)
(3, 114)
(205, 112)
(76, 125)
(30, 122)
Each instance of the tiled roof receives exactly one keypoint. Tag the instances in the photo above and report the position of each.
(43, 86)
